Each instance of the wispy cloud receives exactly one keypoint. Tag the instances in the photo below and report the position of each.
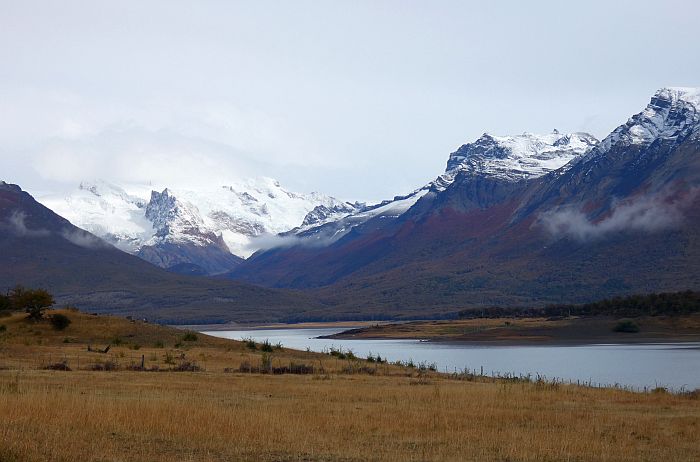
(650, 213)
(16, 224)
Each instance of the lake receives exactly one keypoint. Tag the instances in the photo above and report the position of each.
(672, 365)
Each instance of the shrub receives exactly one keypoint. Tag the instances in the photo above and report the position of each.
(3, 328)
(626, 325)
(266, 363)
(62, 366)
(108, 365)
(342, 355)
(159, 344)
(266, 346)
(117, 341)
(189, 337)
(187, 366)
(59, 321)
(250, 343)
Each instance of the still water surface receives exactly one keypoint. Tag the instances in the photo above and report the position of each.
(672, 365)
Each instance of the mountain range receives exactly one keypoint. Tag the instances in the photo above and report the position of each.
(513, 220)
(205, 231)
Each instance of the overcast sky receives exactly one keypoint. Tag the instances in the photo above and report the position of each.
(358, 99)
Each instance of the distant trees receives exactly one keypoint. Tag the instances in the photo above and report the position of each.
(33, 301)
(677, 303)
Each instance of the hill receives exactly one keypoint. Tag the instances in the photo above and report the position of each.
(41, 249)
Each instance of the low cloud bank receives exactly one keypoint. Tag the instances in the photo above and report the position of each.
(83, 239)
(276, 241)
(16, 225)
(652, 213)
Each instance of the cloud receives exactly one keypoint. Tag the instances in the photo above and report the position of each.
(83, 239)
(17, 226)
(275, 241)
(649, 214)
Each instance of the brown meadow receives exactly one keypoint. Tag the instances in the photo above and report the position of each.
(384, 412)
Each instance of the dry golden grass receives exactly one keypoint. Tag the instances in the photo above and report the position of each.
(394, 415)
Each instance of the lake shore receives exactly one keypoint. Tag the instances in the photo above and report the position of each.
(161, 394)
(535, 331)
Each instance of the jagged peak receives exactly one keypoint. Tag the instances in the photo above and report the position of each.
(675, 95)
(672, 113)
(518, 156)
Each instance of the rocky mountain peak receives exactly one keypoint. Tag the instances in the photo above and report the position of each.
(519, 157)
(672, 114)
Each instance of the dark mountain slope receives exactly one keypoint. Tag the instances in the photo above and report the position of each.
(39, 248)
(623, 219)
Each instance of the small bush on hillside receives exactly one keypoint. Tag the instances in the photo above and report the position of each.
(189, 337)
(250, 344)
(159, 344)
(108, 365)
(187, 366)
(59, 321)
(116, 341)
(626, 325)
(62, 366)
(266, 346)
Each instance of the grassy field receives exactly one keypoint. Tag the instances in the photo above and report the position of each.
(598, 329)
(346, 410)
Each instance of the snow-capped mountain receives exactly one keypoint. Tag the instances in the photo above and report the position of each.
(145, 220)
(506, 159)
(515, 158)
(621, 218)
(672, 114)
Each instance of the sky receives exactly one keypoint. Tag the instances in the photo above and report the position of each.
(362, 100)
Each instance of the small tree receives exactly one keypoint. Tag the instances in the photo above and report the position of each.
(33, 301)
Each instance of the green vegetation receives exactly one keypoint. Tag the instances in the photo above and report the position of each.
(33, 301)
(626, 325)
(677, 303)
(189, 337)
(266, 347)
(59, 321)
